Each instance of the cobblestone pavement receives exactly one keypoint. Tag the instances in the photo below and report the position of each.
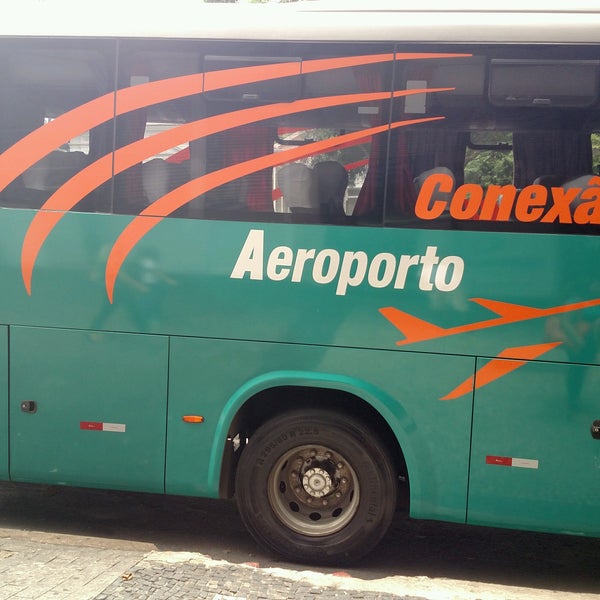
(45, 566)
(35, 566)
(174, 576)
(31, 569)
(75, 544)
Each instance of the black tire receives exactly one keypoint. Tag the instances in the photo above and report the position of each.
(316, 486)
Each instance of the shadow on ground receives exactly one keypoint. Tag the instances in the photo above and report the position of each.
(212, 527)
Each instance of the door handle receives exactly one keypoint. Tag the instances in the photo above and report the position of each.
(29, 406)
(595, 430)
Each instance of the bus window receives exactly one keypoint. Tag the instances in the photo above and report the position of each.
(489, 159)
(595, 139)
(489, 139)
(334, 178)
(307, 159)
(44, 80)
(154, 155)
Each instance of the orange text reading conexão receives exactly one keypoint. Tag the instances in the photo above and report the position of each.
(533, 203)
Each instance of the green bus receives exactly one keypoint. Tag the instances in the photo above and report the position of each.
(314, 256)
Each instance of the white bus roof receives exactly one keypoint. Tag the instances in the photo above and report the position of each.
(485, 21)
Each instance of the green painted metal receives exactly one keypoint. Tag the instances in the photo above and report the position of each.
(178, 281)
(536, 424)
(4, 428)
(410, 403)
(232, 337)
(100, 409)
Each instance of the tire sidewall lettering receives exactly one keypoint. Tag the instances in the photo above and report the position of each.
(293, 434)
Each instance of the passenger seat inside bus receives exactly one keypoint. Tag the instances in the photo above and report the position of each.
(42, 179)
(332, 181)
(159, 177)
(155, 179)
(298, 186)
(49, 173)
(422, 177)
(582, 182)
(549, 181)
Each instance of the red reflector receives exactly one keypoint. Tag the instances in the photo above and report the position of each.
(90, 426)
(503, 461)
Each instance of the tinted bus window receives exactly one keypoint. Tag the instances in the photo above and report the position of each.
(306, 158)
(44, 80)
(272, 132)
(505, 128)
(155, 147)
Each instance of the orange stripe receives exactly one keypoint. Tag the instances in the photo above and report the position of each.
(217, 80)
(510, 313)
(34, 146)
(326, 64)
(214, 80)
(413, 328)
(506, 362)
(367, 140)
(180, 196)
(48, 217)
(86, 180)
(356, 164)
(155, 92)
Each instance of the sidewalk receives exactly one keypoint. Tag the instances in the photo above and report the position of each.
(44, 566)
(162, 575)
(71, 569)
(41, 566)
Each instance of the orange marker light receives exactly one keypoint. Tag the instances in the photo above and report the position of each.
(193, 419)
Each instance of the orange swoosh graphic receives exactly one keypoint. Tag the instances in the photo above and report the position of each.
(506, 362)
(321, 64)
(417, 330)
(34, 146)
(180, 196)
(86, 180)
(43, 140)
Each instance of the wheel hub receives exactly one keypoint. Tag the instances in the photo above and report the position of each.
(317, 482)
(313, 490)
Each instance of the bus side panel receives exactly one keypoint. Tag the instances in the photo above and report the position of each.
(534, 462)
(88, 408)
(4, 435)
(213, 378)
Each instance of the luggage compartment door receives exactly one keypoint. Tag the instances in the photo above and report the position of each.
(88, 408)
(535, 463)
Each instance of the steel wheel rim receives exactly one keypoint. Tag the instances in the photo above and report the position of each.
(313, 490)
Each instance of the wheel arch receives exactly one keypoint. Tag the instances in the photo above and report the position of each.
(276, 393)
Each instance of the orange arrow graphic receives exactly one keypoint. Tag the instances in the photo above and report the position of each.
(499, 367)
(418, 330)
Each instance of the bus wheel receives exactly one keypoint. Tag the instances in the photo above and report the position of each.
(316, 486)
